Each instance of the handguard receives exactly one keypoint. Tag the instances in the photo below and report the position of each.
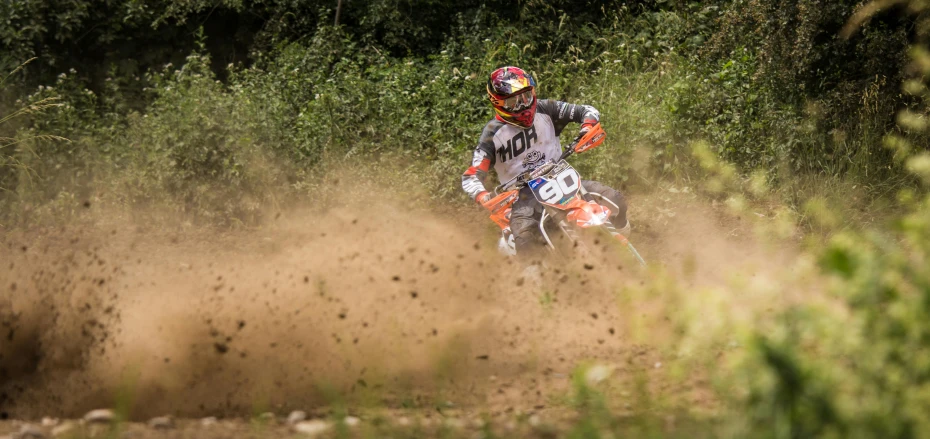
(500, 207)
(591, 139)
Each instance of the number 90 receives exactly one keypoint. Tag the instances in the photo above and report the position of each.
(566, 183)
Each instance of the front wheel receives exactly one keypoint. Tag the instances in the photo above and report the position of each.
(613, 232)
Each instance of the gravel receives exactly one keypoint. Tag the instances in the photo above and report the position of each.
(312, 428)
(101, 416)
(534, 421)
(29, 431)
(454, 423)
(161, 423)
(296, 416)
(597, 373)
(63, 428)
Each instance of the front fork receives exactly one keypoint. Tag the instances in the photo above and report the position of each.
(609, 226)
(567, 229)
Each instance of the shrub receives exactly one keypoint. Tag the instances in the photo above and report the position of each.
(201, 144)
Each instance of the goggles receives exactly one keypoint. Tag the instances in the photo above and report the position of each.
(519, 101)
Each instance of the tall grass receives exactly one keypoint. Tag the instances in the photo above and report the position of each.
(18, 173)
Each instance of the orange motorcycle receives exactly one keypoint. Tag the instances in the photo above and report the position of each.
(557, 186)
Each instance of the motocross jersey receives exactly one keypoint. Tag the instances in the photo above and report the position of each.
(511, 150)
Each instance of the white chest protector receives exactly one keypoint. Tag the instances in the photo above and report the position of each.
(517, 150)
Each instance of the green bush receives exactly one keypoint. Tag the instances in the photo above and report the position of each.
(202, 145)
(661, 74)
(777, 86)
(855, 366)
(855, 363)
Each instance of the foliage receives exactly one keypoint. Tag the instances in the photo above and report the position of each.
(778, 86)
(331, 93)
(769, 84)
(856, 367)
(200, 144)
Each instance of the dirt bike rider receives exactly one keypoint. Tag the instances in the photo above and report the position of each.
(523, 135)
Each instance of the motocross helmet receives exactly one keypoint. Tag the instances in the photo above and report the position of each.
(512, 93)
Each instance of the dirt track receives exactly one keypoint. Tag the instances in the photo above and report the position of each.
(366, 307)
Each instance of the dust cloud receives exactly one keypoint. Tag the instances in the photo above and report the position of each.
(368, 303)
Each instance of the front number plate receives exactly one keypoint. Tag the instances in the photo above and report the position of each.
(558, 187)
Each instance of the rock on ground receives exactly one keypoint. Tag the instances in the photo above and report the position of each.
(29, 431)
(102, 416)
(296, 416)
(161, 423)
(63, 429)
(312, 428)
